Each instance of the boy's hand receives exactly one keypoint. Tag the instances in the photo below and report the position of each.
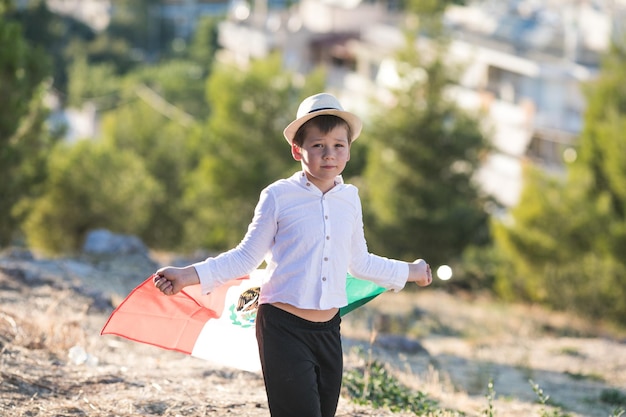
(170, 280)
(420, 273)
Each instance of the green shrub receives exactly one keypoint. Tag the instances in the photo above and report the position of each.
(613, 397)
(375, 386)
(90, 186)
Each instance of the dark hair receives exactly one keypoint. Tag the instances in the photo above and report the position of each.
(325, 123)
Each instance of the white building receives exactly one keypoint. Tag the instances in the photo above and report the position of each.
(94, 13)
(524, 62)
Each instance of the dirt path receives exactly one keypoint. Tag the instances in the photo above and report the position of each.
(454, 347)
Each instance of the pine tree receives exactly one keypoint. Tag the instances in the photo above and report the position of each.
(421, 199)
(564, 244)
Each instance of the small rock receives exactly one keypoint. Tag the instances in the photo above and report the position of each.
(400, 344)
(18, 254)
(104, 242)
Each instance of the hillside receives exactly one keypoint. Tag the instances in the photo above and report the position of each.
(53, 362)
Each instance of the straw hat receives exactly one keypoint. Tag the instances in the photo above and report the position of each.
(318, 105)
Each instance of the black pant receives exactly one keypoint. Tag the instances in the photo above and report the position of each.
(302, 363)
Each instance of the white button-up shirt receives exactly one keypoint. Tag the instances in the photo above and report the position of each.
(309, 241)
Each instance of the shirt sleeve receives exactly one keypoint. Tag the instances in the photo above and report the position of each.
(248, 254)
(388, 273)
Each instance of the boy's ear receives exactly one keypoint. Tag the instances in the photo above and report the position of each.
(296, 152)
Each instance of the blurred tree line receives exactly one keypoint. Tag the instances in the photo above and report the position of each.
(25, 76)
(187, 143)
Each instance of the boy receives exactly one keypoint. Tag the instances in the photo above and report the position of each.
(309, 230)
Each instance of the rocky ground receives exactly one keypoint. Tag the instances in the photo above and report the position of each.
(53, 362)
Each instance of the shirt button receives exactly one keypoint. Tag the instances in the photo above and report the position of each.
(323, 278)
(327, 237)
(326, 259)
(326, 217)
(308, 184)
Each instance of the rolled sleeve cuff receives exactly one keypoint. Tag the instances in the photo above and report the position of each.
(204, 274)
(399, 280)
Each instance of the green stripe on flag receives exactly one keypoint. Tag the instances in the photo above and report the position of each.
(359, 292)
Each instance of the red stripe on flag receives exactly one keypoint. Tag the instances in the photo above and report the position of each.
(170, 322)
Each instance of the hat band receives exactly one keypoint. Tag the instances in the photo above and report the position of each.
(323, 108)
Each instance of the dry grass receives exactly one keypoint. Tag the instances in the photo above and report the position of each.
(472, 341)
(455, 346)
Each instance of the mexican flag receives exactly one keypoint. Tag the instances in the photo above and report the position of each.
(218, 327)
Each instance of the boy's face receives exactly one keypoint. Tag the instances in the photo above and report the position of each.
(323, 155)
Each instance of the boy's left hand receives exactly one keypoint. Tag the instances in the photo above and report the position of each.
(420, 273)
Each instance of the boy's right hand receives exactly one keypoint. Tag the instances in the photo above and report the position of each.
(170, 280)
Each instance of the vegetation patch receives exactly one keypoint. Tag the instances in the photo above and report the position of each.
(614, 397)
(374, 385)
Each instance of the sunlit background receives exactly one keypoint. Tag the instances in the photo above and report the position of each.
(491, 146)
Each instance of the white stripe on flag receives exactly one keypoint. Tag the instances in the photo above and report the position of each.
(230, 340)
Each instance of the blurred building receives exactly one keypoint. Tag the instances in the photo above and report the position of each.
(525, 62)
(181, 15)
(94, 13)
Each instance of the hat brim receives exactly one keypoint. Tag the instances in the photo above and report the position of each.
(353, 121)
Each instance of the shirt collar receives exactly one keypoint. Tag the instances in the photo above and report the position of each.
(301, 178)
